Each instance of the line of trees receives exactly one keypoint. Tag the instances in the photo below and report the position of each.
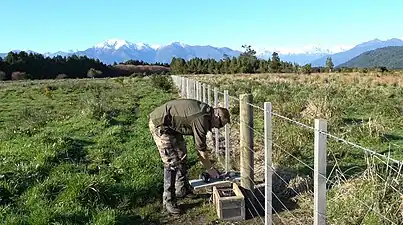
(21, 65)
(141, 63)
(247, 62)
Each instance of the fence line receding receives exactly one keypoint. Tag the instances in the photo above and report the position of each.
(258, 142)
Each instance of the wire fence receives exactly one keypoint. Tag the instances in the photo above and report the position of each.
(293, 173)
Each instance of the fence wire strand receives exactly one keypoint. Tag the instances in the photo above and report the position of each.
(371, 208)
(335, 169)
(251, 150)
(325, 133)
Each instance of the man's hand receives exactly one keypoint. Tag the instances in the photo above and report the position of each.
(204, 159)
(213, 173)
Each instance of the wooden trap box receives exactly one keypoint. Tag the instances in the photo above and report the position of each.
(229, 202)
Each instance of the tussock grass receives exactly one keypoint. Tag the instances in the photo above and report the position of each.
(362, 108)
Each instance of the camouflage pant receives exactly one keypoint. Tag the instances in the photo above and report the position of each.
(173, 152)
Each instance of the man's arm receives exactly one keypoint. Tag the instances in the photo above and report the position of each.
(200, 130)
(204, 159)
(200, 136)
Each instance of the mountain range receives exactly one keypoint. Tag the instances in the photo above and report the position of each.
(390, 57)
(116, 50)
(342, 57)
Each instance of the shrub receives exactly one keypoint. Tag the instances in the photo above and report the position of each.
(92, 73)
(19, 76)
(381, 69)
(163, 82)
(62, 76)
(307, 69)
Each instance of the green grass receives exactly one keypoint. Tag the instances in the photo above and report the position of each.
(80, 152)
(366, 109)
(369, 114)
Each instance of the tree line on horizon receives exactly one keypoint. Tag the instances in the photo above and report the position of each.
(23, 65)
(246, 62)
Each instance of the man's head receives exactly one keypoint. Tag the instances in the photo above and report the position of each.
(221, 117)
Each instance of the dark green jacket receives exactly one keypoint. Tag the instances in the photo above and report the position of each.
(187, 117)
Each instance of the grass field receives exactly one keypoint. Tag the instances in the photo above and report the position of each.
(79, 151)
(366, 109)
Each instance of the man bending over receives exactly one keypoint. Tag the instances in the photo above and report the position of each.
(168, 123)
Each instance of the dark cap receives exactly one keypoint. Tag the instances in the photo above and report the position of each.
(224, 115)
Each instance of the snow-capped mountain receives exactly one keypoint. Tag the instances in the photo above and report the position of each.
(116, 44)
(302, 55)
(187, 52)
(117, 50)
(344, 56)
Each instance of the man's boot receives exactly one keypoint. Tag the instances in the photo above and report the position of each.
(169, 198)
(182, 186)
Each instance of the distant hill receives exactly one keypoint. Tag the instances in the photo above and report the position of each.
(389, 57)
(342, 57)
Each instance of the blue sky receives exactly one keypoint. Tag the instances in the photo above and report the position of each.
(50, 25)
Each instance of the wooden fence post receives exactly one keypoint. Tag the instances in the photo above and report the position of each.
(183, 88)
(187, 88)
(209, 94)
(175, 80)
(268, 143)
(217, 136)
(194, 89)
(179, 84)
(200, 91)
(204, 93)
(190, 86)
(227, 134)
(246, 142)
(320, 172)
(197, 90)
